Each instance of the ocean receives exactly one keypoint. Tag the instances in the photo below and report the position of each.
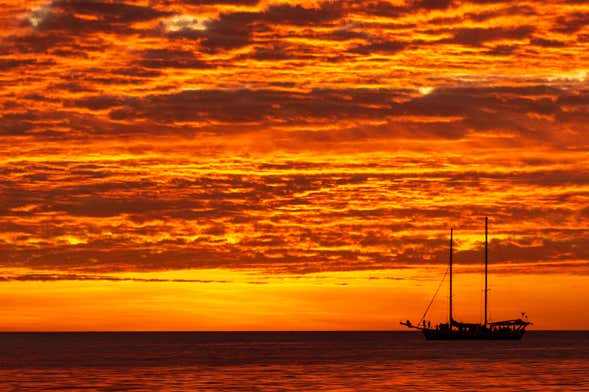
(290, 361)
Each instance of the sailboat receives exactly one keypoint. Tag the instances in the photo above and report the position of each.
(456, 330)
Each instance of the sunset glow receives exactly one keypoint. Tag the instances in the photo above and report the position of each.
(262, 165)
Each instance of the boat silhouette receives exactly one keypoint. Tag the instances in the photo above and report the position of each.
(456, 330)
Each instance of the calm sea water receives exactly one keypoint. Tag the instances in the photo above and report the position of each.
(297, 361)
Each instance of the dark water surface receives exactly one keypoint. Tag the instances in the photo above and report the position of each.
(297, 361)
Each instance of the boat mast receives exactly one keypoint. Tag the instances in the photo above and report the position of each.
(450, 322)
(486, 267)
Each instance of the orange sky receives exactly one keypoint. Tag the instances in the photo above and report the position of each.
(244, 164)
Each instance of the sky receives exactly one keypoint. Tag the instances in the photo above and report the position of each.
(291, 165)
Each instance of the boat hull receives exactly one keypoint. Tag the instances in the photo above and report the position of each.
(435, 334)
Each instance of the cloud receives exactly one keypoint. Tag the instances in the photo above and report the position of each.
(7, 64)
(477, 36)
(283, 106)
(228, 2)
(290, 136)
(379, 47)
(533, 112)
(547, 43)
(235, 29)
(171, 58)
(432, 4)
(35, 42)
(98, 102)
(255, 105)
(105, 16)
(53, 277)
(571, 23)
(280, 52)
(293, 217)
(229, 31)
(502, 50)
(328, 11)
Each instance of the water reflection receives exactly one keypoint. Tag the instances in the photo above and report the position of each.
(291, 361)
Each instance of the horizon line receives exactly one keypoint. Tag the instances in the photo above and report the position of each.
(260, 331)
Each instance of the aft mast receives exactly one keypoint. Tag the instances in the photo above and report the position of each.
(450, 315)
